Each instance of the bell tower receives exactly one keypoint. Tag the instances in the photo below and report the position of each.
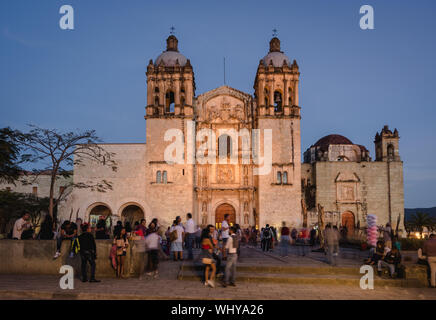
(277, 109)
(170, 83)
(169, 112)
(387, 145)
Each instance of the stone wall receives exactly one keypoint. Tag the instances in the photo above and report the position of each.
(36, 257)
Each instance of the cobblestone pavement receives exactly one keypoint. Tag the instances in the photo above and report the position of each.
(47, 287)
(168, 287)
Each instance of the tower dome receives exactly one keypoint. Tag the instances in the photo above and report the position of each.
(275, 56)
(171, 57)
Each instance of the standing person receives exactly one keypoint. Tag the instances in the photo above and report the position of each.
(312, 237)
(189, 235)
(294, 235)
(429, 250)
(387, 235)
(266, 238)
(332, 244)
(225, 233)
(128, 228)
(46, 231)
(122, 243)
(117, 228)
(198, 238)
(88, 252)
(140, 247)
(101, 232)
(239, 236)
(21, 225)
(284, 240)
(207, 257)
(232, 249)
(68, 232)
(143, 226)
(152, 242)
(177, 244)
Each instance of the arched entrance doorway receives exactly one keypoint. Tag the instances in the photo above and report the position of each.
(348, 221)
(221, 210)
(98, 211)
(131, 214)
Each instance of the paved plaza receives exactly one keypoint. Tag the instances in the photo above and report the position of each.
(168, 285)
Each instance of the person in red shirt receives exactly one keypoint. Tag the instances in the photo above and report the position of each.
(285, 240)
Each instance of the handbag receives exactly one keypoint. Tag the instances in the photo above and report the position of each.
(206, 261)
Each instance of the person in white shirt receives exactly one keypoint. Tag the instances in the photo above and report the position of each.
(189, 235)
(152, 242)
(21, 225)
(232, 249)
(225, 233)
(177, 244)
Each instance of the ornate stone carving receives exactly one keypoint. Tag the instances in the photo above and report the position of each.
(224, 174)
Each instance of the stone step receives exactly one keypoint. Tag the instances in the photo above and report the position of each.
(306, 278)
(250, 268)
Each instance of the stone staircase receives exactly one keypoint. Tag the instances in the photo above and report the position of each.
(313, 275)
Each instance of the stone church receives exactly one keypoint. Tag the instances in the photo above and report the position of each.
(336, 173)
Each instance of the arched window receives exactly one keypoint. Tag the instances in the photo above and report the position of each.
(279, 177)
(156, 89)
(156, 101)
(182, 101)
(164, 177)
(277, 101)
(390, 151)
(285, 177)
(224, 146)
(169, 102)
(290, 97)
(158, 177)
(266, 94)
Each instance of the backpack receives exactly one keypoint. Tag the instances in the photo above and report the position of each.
(266, 233)
(75, 246)
(173, 235)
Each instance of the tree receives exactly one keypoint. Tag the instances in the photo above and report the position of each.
(13, 205)
(420, 220)
(9, 153)
(59, 152)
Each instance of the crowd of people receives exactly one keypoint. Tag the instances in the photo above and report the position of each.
(217, 245)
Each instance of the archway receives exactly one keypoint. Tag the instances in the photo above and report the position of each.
(221, 210)
(131, 214)
(100, 210)
(348, 221)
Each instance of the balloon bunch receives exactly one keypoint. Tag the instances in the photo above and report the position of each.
(372, 229)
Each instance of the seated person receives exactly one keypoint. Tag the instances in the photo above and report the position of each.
(391, 261)
(378, 253)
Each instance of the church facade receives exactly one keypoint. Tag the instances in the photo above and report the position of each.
(256, 180)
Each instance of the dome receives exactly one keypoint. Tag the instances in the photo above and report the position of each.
(169, 58)
(275, 55)
(326, 141)
(172, 54)
(277, 59)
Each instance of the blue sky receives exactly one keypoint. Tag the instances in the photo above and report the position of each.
(352, 81)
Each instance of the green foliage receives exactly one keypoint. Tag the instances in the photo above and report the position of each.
(13, 205)
(418, 221)
(9, 153)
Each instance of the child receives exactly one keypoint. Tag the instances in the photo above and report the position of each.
(152, 243)
(232, 249)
